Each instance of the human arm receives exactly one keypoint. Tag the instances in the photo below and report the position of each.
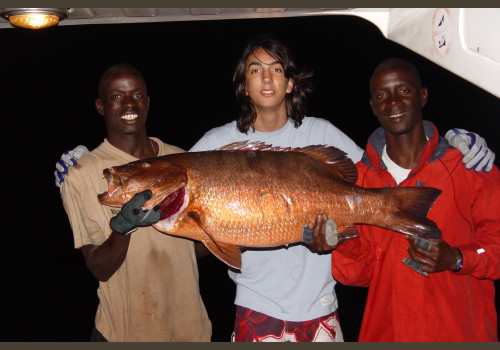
(476, 153)
(105, 259)
(68, 158)
(481, 252)
(354, 262)
(470, 223)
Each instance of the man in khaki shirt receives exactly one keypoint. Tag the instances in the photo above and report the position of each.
(148, 281)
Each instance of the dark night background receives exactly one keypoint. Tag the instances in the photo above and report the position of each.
(48, 87)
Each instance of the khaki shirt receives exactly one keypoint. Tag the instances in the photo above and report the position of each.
(154, 295)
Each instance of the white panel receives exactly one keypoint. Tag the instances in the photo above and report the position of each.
(439, 35)
(480, 31)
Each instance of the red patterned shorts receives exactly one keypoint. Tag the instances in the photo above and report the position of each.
(253, 326)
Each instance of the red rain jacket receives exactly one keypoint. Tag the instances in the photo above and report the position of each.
(403, 305)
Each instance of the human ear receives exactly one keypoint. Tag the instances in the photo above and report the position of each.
(289, 88)
(424, 96)
(99, 106)
(371, 106)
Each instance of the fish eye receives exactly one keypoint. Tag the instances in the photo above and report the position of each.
(146, 165)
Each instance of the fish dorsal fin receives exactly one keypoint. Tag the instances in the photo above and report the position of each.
(228, 253)
(337, 159)
(251, 146)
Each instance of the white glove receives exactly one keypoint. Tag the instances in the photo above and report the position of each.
(68, 159)
(476, 153)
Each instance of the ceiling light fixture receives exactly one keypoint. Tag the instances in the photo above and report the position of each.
(34, 18)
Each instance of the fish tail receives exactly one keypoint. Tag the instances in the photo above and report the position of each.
(414, 203)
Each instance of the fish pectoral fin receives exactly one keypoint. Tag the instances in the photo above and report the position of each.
(228, 253)
(346, 232)
(196, 217)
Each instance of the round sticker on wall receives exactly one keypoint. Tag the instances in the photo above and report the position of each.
(441, 32)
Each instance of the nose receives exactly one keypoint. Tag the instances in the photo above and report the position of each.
(394, 99)
(266, 76)
(128, 100)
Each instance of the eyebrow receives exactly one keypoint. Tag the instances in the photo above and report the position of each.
(133, 90)
(259, 63)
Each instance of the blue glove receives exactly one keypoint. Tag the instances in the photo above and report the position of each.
(476, 153)
(131, 216)
(68, 159)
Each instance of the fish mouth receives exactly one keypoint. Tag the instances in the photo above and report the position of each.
(115, 185)
(172, 203)
(170, 200)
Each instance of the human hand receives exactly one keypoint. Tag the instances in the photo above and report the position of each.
(476, 153)
(68, 159)
(132, 216)
(323, 235)
(437, 257)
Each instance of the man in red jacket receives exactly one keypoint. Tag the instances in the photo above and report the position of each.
(455, 302)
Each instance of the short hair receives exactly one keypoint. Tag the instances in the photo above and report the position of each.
(394, 61)
(117, 67)
(296, 106)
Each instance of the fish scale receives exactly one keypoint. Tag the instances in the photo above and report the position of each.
(250, 203)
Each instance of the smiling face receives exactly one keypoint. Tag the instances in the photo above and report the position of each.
(265, 82)
(123, 101)
(397, 98)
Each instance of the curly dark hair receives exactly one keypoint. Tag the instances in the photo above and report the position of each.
(296, 106)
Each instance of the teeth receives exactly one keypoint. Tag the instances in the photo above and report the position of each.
(397, 115)
(267, 91)
(129, 116)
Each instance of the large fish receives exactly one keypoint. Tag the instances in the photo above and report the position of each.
(256, 195)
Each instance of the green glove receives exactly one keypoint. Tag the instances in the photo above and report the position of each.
(131, 216)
